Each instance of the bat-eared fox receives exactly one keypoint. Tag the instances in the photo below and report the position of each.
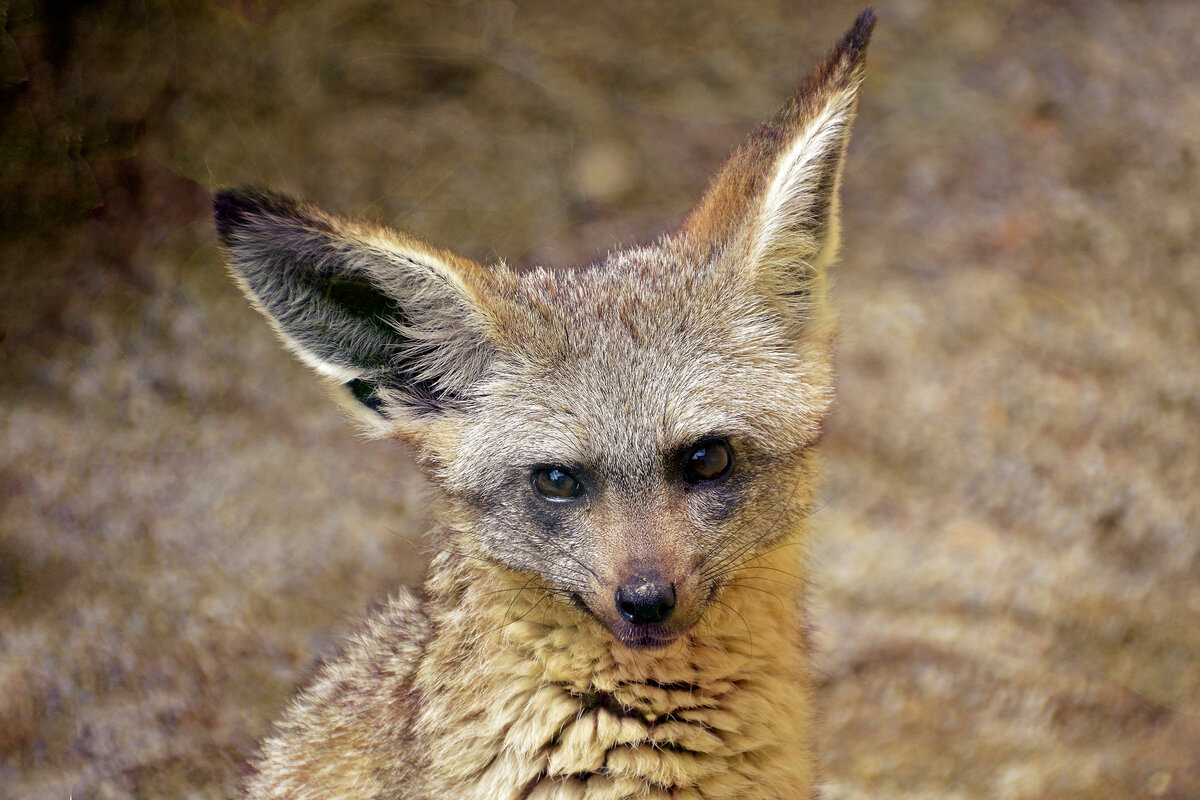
(622, 458)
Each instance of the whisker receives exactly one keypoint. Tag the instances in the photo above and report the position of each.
(720, 567)
(517, 597)
(749, 633)
(775, 597)
(782, 504)
(732, 534)
(749, 567)
(528, 611)
(725, 560)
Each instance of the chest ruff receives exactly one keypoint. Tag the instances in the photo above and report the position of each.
(553, 707)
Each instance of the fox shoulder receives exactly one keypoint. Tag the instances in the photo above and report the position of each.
(348, 732)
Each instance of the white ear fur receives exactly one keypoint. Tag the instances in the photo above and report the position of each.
(771, 211)
(797, 218)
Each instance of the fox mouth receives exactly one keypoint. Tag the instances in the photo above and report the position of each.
(651, 637)
(636, 637)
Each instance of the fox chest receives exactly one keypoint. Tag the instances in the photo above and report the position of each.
(637, 740)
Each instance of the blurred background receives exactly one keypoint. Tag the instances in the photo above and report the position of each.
(1008, 564)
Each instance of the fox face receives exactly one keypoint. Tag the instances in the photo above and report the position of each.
(626, 435)
(630, 433)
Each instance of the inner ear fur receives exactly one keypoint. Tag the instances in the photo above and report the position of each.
(397, 321)
(772, 208)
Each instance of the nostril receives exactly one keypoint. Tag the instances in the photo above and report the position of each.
(645, 602)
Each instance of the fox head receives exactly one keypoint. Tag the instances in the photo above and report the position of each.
(628, 433)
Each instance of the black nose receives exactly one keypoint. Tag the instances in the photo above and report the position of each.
(644, 602)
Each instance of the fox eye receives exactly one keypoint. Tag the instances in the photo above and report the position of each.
(556, 484)
(708, 460)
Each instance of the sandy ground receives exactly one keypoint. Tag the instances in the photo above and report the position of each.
(1009, 558)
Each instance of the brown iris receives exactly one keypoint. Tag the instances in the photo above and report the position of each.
(708, 460)
(555, 483)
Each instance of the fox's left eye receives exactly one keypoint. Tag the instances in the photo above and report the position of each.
(555, 483)
(708, 460)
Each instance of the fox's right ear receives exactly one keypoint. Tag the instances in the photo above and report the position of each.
(398, 322)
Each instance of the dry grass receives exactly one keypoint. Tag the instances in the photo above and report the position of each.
(1010, 553)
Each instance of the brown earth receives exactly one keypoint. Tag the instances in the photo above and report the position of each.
(1009, 562)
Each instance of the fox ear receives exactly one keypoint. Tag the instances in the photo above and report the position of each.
(395, 320)
(772, 208)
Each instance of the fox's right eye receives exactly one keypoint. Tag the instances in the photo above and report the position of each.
(556, 484)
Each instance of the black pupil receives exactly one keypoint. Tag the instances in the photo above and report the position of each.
(556, 483)
(708, 461)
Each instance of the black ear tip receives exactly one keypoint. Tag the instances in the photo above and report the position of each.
(231, 209)
(237, 208)
(854, 43)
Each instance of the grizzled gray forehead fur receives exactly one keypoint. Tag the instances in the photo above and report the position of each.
(622, 363)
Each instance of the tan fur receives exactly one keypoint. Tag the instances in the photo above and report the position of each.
(514, 673)
(550, 702)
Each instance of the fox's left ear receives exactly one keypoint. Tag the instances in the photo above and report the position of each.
(773, 207)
